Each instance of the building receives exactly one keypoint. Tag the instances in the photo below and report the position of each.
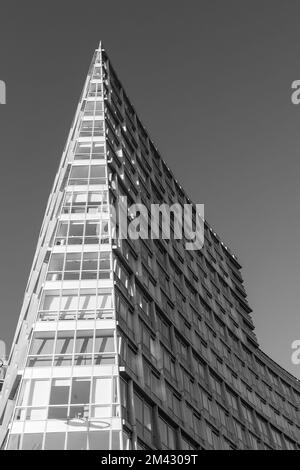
(2, 364)
(134, 344)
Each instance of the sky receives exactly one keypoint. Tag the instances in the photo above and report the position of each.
(211, 81)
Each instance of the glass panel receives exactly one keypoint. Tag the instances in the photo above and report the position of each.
(59, 392)
(39, 362)
(101, 411)
(115, 445)
(32, 442)
(55, 441)
(84, 342)
(14, 442)
(39, 414)
(50, 302)
(39, 393)
(102, 392)
(79, 412)
(56, 262)
(42, 343)
(64, 343)
(73, 262)
(77, 441)
(80, 391)
(104, 301)
(87, 302)
(58, 413)
(97, 171)
(79, 172)
(69, 302)
(104, 344)
(99, 440)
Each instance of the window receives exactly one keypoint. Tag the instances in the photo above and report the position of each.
(91, 127)
(212, 437)
(262, 426)
(289, 444)
(167, 435)
(152, 379)
(93, 107)
(64, 342)
(188, 383)
(77, 441)
(125, 311)
(254, 442)
(276, 437)
(173, 402)
(169, 364)
(200, 367)
(182, 349)
(123, 275)
(42, 343)
(164, 329)
(55, 441)
(143, 414)
(104, 342)
(94, 174)
(89, 150)
(95, 89)
(149, 343)
(216, 384)
(232, 399)
(222, 416)
(247, 413)
(239, 431)
(79, 202)
(206, 401)
(147, 256)
(186, 445)
(34, 394)
(144, 303)
(60, 392)
(74, 266)
(32, 441)
(103, 397)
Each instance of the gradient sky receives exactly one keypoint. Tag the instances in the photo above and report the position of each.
(211, 81)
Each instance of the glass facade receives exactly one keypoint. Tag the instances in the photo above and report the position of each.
(134, 344)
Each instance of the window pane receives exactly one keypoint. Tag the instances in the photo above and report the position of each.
(32, 442)
(64, 343)
(104, 344)
(14, 442)
(77, 441)
(60, 392)
(79, 172)
(50, 302)
(55, 441)
(84, 342)
(80, 391)
(102, 391)
(42, 343)
(115, 444)
(97, 171)
(60, 412)
(39, 393)
(99, 440)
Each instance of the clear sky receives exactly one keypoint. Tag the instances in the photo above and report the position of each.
(211, 81)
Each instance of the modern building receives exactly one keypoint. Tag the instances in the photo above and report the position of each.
(134, 344)
(2, 364)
